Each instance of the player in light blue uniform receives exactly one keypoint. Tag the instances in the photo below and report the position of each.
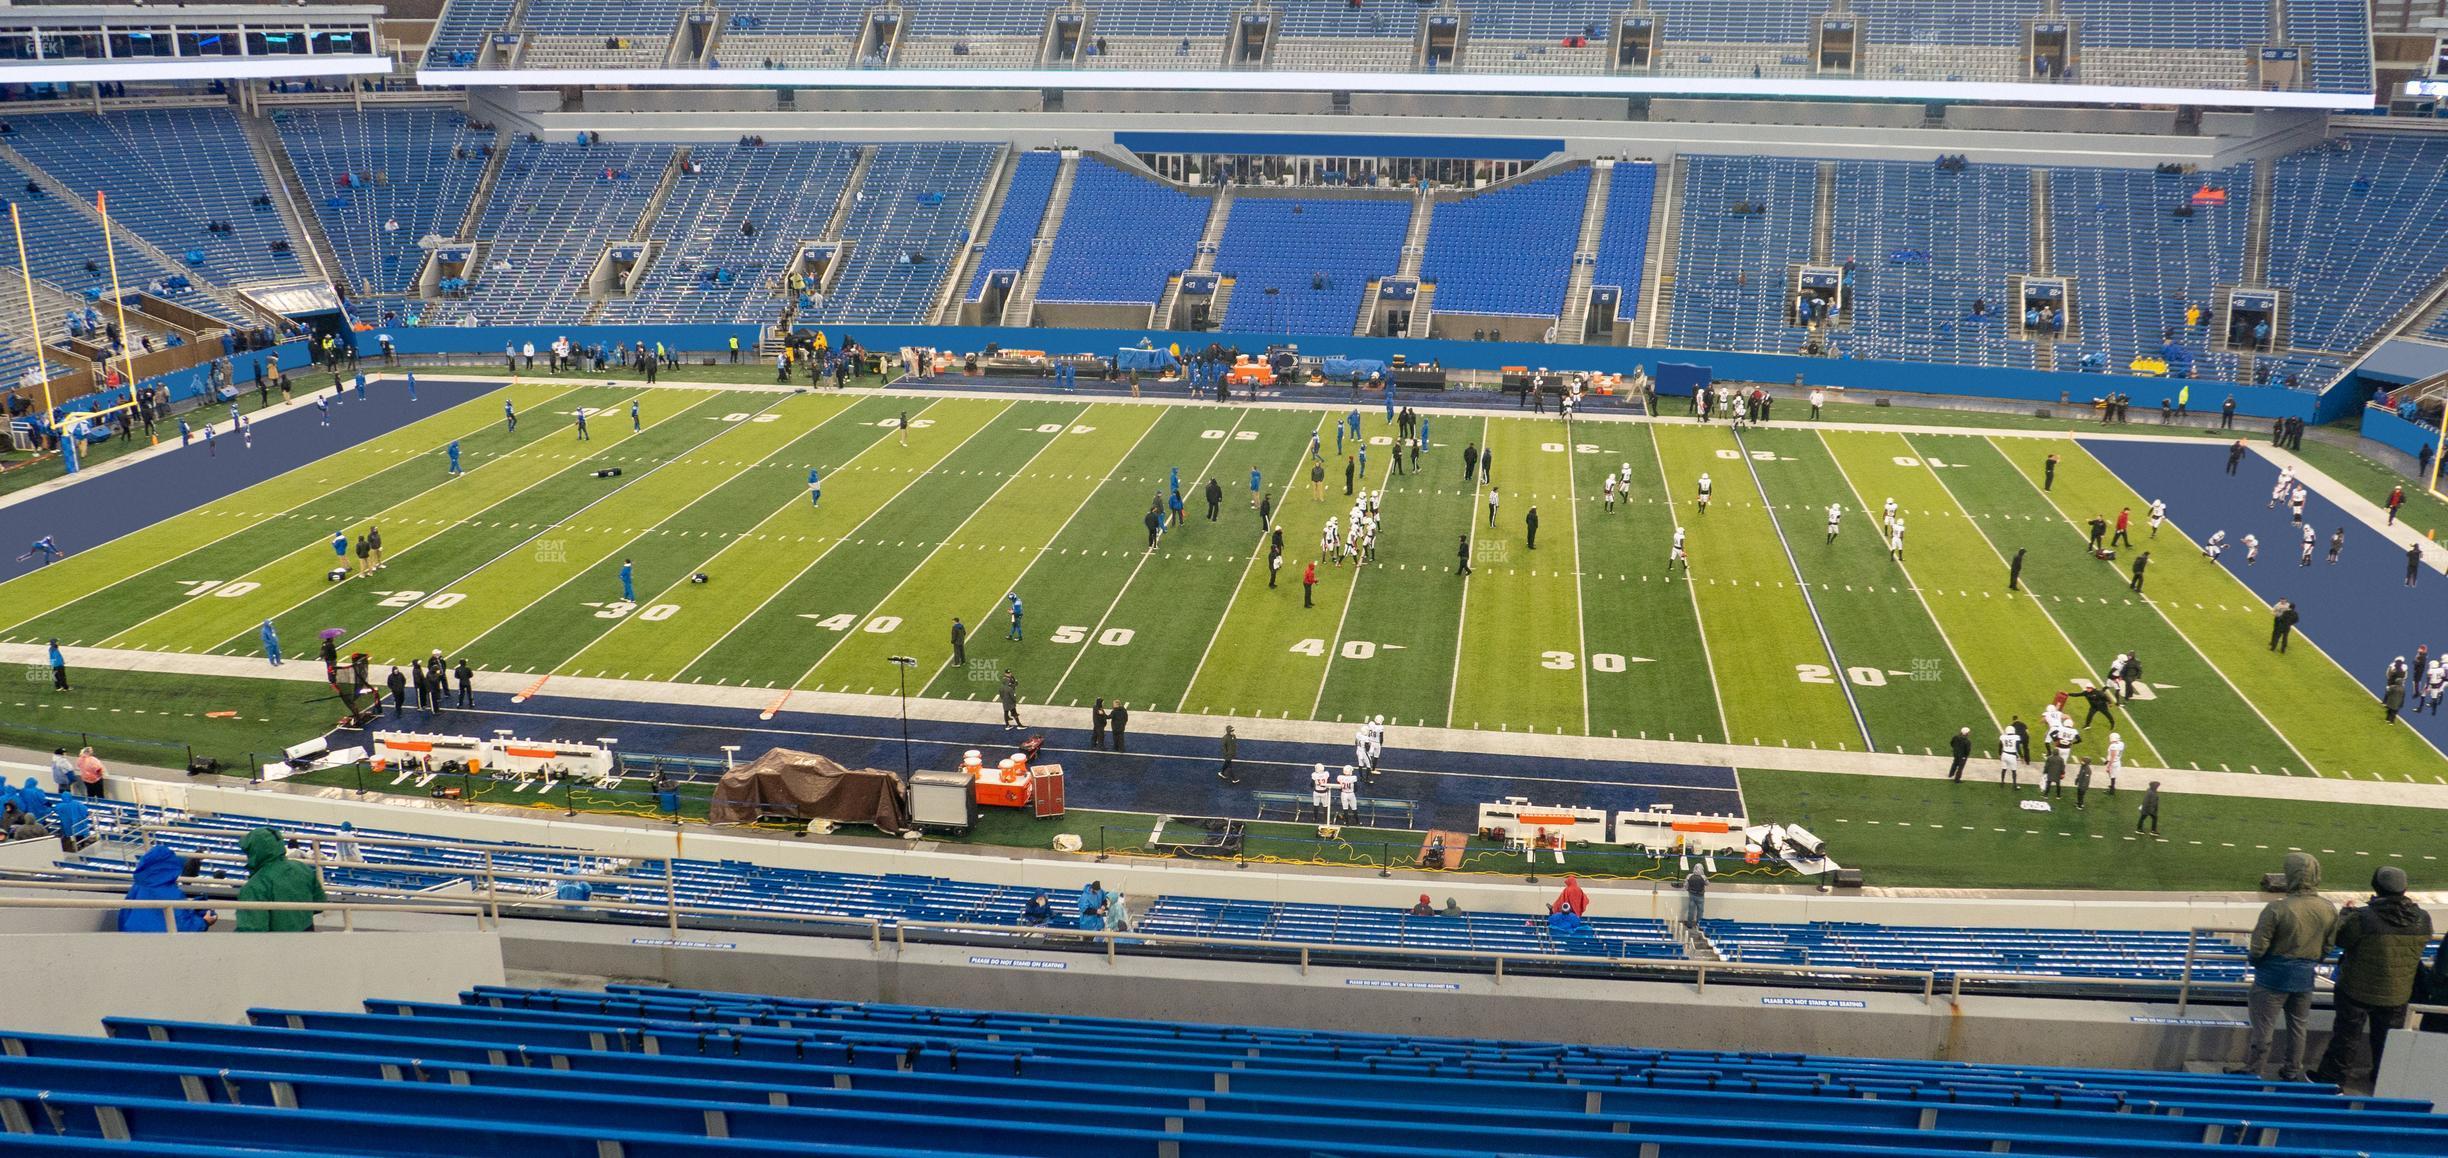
(815, 488)
(633, 417)
(47, 547)
(628, 582)
(271, 643)
(1015, 613)
(510, 412)
(454, 458)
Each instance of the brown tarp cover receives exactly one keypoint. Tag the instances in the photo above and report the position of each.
(808, 786)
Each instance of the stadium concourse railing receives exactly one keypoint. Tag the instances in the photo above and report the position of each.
(496, 891)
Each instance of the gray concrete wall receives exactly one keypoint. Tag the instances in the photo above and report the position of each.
(1030, 975)
(217, 976)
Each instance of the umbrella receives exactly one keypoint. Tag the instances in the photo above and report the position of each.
(333, 632)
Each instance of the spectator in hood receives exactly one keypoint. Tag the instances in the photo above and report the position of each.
(2290, 938)
(2383, 941)
(156, 879)
(272, 876)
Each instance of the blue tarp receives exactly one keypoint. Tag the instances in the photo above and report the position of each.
(1130, 358)
(1342, 369)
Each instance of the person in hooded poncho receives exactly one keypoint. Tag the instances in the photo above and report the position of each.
(156, 879)
(73, 821)
(32, 800)
(272, 876)
(1571, 897)
(1092, 906)
(1565, 924)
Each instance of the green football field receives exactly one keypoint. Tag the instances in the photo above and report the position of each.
(1774, 636)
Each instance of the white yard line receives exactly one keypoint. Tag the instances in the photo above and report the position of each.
(1657, 454)
(1256, 554)
(1453, 687)
(2300, 637)
(845, 536)
(267, 517)
(1107, 615)
(2000, 556)
(376, 517)
(1844, 682)
(1351, 595)
(1926, 609)
(580, 573)
(607, 496)
(1047, 546)
(951, 536)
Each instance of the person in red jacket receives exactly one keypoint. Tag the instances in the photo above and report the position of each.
(2124, 519)
(1308, 584)
(1572, 897)
(2396, 500)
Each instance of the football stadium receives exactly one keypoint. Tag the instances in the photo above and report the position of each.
(1657, 578)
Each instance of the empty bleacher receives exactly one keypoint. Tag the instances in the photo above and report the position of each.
(1014, 232)
(1925, 243)
(704, 268)
(908, 227)
(2137, 264)
(2337, 37)
(1300, 264)
(552, 211)
(650, 1071)
(1507, 252)
(1623, 238)
(381, 181)
(169, 173)
(1950, 950)
(2137, 42)
(2358, 228)
(1731, 269)
(1122, 236)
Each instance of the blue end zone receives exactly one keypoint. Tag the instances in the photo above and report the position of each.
(1163, 774)
(97, 509)
(2360, 611)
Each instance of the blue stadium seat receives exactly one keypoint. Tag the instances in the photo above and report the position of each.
(705, 269)
(380, 181)
(169, 173)
(1122, 236)
(1278, 248)
(1623, 238)
(909, 225)
(1014, 235)
(1508, 251)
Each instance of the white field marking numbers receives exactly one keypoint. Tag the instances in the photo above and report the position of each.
(1244, 435)
(621, 609)
(1110, 637)
(1602, 661)
(225, 590)
(744, 416)
(410, 598)
(1053, 428)
(1755, 456)
(1933, 463)
(880, 625)
(1577, 448)
(1819, 673)
(914, 424)
(1351, 649)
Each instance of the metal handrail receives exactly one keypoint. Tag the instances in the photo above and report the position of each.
(488, 878)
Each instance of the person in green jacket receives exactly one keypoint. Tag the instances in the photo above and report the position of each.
(2291, 938)
(272, 876)
(2383, 941)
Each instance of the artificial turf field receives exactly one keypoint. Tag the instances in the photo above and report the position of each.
(1776, 637)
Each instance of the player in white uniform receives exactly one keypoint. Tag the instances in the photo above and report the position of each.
(1360, 748)
(1895, 542)
(2308, 538)
(1835, 516)
(2252, 549)
(1318, 787)
(2116, 759)
(2216, 546)
(1624, 482)
(2009, 756)
(2295, 501)
(2437, 688)
(1705, 485)
(2158, 515)
(1887, 520)
(1610, 494)
(2286, 482)
(1332, 541)
(1676, 555)
(1349, 782)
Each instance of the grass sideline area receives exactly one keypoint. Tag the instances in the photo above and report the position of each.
(1902, 833)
